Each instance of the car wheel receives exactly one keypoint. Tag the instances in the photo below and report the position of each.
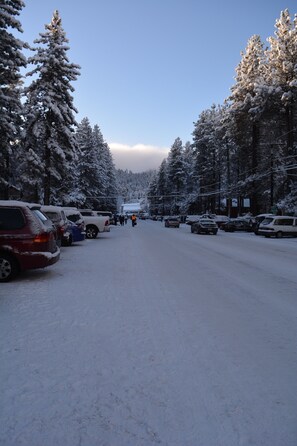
(279, 234)
(91, 232)
(8, 267)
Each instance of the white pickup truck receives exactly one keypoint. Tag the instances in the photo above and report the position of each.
(94, 223)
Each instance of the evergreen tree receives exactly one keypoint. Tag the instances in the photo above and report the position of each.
(11, 60)
(153, 195)
(111, 189)
(247, 108)
(207, 144)
(87, 165)
(176, 174)
(50, 122)
(191, 181)
(282, 76)
(162, 189)
(102, 169)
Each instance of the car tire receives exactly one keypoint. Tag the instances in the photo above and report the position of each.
(91, 231)
(9, 267)
(279, 234)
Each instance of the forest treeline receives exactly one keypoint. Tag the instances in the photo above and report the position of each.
(243, 157)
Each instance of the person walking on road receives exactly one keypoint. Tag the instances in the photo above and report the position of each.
(122, 219)
(133, 218)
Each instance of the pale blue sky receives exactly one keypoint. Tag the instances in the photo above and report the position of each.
(150, 67)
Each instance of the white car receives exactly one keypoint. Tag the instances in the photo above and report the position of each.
(278, 226)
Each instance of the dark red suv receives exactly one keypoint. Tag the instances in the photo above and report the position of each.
(27, 239)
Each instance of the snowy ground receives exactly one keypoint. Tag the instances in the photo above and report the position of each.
(153, 336)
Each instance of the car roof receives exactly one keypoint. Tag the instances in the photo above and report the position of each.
(51, 208)
(16, 203)
(71, 211)
(281, 216)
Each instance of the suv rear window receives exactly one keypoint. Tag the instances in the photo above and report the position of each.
(54, 216)
(11, 218)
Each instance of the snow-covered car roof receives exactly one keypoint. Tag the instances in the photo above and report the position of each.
(51, 208)
(71, 211)
(20, 204)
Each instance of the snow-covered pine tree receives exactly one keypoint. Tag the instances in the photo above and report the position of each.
(111, 189)
(176, 175)
(247, 107)
(190, 183)
(49, 118)
(87, 164)
(282, 77)
(162, 189)
(208, 159)
(101, 166)
(11, 60)
(153, 195)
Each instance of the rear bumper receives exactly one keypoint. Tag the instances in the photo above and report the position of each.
(35, 260)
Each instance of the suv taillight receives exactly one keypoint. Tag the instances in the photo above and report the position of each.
(42, 238)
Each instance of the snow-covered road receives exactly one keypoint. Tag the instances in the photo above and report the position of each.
(153, 336)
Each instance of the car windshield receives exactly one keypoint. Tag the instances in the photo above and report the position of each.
(267, 221)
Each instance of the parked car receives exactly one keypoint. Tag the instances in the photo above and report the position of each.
(27, 239)
(109, 214)
(75, 216)
(238, 224)
(258, 220)
(278, 226)
(94, 223)
(204, 226)
(76, 233)
(221, 220)
(59, 219)
(190, 219)
(171, 222)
